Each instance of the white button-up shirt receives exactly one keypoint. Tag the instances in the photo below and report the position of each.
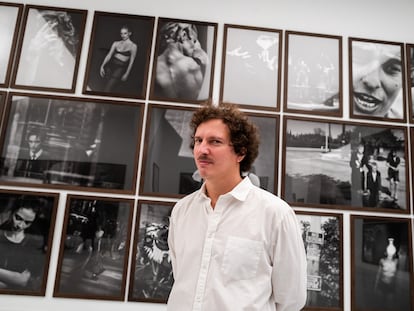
(245, 254)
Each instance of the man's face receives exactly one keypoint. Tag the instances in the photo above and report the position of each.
(377, 77)
(213, 153)
(23, 218)
(34, 143)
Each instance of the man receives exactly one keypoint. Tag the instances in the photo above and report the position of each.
(359, 165)
(233, 245)
(181, 63)
(33, 161)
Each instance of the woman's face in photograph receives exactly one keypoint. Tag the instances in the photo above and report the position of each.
(377, 77)
(125, 34)
(23, 218)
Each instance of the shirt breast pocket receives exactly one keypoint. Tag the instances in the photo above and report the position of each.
(241, 258)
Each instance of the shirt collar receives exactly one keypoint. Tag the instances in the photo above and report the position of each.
(239, 192)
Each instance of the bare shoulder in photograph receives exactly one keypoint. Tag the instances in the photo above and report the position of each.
(184, 63)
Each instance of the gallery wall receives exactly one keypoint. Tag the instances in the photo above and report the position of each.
(370, 19)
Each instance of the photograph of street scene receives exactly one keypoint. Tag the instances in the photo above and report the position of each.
(344, 165)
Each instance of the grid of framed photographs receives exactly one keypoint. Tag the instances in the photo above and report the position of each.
(123, 147)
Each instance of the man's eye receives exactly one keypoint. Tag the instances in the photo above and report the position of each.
(215, 142)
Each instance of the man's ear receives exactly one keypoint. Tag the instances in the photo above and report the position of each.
(241, 154)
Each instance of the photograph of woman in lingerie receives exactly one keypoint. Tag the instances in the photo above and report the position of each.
(119, 54)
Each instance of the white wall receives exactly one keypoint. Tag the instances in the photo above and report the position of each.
(372, 19)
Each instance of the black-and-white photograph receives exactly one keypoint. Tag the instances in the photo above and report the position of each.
(119, 55)
(410, 79)
(151, 273)
(10, 18)
(322, 237)
(169, 168)
(313, 73)
(70, 142)
(251, 66)
(376, 78)
(94, 249)
(184, 60)
(27, 221)
(344, 164)
(381, 264)
(168, 164)
(49, 48)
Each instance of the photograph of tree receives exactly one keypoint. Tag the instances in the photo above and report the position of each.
(322, 239)
(345, 164)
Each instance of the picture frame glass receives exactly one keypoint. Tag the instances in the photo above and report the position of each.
(330, 164)
(387, 101)
(10, 17)
(410, 79)
(169, 166)
(183, 85)
(322, 236)
(251, 70)
(49, 48)
(26, 233)
(94, 249)
(70, 142)
(116, 65)
(314, 71)
(151, 277)
(381, 264)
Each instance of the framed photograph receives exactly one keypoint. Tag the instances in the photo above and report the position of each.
(27, 221)
(251, 63)
(381, 264)
(49, 49)
(94, 249)
(322, 237)
(151, 275)
(10, 17)
(169, 168)
(313, 74)
(410, 79)
(377, 80)
(119, 55)
(70, 142)
(183, 68)
(3, 96)
(338, 164)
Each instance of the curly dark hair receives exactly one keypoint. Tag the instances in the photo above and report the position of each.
(244, 134)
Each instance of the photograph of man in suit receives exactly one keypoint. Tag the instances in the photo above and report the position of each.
(32, 161)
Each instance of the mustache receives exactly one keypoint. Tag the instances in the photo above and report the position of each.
(203, 157)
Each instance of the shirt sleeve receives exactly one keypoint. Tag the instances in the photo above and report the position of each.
(289, 266)
(171, 245)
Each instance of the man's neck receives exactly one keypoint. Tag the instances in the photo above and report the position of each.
(214, 189)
